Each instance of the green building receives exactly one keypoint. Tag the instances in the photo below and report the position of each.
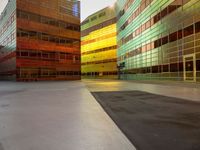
(159, 39)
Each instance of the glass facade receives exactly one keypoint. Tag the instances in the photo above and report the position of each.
(8, 42)
(99, 44)
(159, 39)
(47, 45)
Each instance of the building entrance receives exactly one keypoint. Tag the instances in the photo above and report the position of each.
(189, 65)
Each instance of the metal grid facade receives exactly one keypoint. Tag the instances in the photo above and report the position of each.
(48, 40)
(8, 42)
(99, 44)
(159, 39)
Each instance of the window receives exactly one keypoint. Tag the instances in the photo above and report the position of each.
(171, 8)
(85, 22)
(52, 39)
(165, 68)
(164, 12)
(45, 37)
(33, 35)
(33, 54)
(180, 66)
(155, 69)
(62, 41)
(93, 18)
(148, 24)
(165, 40)
(69, 27)
(197, 27)
(62, 55)
(174, 67)
(102, 14)
(53, 22)
(173, 37)
(45, 55)
(157, 43)
(180, 34)
(156, 18)
(44, 20)
(24, 34)
(121, 13)
(198, 65)
(24, 54)
(148, 70)
(188, 31)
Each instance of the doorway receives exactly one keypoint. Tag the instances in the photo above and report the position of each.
(189, 66)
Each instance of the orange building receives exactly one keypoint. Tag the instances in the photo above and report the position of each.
(47, 43)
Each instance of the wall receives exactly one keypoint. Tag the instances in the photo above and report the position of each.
(48, 40)
(98, 44)
(8, 42)
(155, 37)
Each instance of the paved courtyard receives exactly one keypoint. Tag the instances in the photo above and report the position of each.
(65, 115)
(55, 116)
(189, 91)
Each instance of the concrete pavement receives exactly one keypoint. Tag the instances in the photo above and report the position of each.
(65, 116)
(189, 91)
(55, 116)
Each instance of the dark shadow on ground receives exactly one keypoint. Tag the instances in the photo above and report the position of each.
(154, 122)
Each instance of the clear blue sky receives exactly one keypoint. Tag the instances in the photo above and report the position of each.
(88, 7)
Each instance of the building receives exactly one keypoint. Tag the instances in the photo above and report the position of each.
(159, 39)
(40, 40)
(99, 44)
(8, 42)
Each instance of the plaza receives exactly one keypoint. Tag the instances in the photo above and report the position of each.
(65, 115)
(125, 76)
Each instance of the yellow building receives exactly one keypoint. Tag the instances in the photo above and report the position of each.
(99, 44)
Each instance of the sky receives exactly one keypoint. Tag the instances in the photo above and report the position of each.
(88, 7)
(2, 4)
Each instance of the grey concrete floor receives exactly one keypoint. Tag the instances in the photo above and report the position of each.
(55, 116)
(65, 116)
(189, 91)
